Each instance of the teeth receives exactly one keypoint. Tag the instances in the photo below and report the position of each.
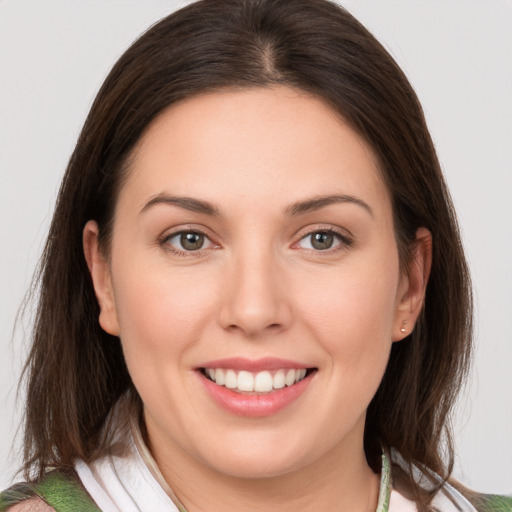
(261, 382)
(230, 380)
(245, 381)
(279, 379)
(219, 376)
(290, 378)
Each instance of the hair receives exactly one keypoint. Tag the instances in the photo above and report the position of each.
(76, 372)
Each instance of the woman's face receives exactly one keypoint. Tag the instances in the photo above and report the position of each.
(253, 245)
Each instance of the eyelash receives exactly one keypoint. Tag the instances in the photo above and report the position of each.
(344, 242)
(165, 239)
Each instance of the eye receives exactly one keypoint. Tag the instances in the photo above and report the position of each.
(323, 240)
(188, 241)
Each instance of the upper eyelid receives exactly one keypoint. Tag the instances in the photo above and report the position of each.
(342, 237)
(171, 232)
(345, 239)
(164, 240)
(309, 230)
(344, 234)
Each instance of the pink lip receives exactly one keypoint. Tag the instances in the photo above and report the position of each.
(253, 365)
(254, 405)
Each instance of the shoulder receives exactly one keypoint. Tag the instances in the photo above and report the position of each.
(30, 505)
(56, 491)
(454, 497)
(481, 502)
(491, 503)
(21, 496)
(451, 498)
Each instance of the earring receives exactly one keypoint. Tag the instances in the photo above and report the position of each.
(403, 329)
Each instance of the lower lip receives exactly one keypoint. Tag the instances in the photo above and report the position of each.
(255, 406)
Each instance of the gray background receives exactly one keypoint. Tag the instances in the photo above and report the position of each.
(54, 56)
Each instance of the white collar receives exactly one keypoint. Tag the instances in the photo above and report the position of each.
(129, 480)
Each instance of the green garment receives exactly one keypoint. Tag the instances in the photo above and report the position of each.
(63, 492)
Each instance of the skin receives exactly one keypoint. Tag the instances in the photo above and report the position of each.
(257, 288)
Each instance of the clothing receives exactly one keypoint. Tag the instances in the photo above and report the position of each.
(128, 480)
(131, 481)
(61, 490)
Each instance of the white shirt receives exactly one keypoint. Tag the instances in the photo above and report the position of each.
(128, 480)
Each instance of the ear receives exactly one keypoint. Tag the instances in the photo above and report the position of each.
(101, 278)
(413, 285)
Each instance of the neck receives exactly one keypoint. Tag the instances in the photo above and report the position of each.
(339, 481)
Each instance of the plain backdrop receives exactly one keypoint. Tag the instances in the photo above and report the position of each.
(458, 55)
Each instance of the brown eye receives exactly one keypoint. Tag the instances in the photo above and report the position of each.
(187, 241)
(191, 241)
(322, 240)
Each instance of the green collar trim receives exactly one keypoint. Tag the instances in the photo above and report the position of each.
(385, 485)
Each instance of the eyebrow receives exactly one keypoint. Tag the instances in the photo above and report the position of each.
(188, 203)
(298, 208)
(317, 203)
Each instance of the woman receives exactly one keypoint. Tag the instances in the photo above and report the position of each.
(239, 258)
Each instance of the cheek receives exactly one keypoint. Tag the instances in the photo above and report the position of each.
(351, 313)
(161, 313)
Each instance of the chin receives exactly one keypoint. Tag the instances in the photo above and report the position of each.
(255, 460)
(255, 468)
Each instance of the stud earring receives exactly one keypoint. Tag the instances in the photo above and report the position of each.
(403, 329)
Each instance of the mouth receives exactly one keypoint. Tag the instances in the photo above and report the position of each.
(247, 382)
(255, 388)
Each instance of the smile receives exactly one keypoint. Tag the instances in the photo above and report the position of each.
(255, 388)
(259, 382)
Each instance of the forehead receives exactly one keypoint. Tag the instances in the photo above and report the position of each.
(269, 146)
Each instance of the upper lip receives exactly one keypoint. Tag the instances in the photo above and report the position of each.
(253, 365)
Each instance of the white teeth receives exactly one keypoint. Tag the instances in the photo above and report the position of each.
(279, 379)
(219, 376)
(245, 381)
(231, 380)
(261, 382)
(290, 378)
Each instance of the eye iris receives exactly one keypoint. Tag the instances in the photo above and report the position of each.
(322, 240)
(192, 241)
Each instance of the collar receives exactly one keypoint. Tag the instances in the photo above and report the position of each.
(129, 480)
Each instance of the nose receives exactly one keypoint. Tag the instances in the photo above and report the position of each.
(255, 301)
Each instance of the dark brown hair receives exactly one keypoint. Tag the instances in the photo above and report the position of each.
(76, 372)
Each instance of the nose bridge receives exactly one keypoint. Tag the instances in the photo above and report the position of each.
(254, 300)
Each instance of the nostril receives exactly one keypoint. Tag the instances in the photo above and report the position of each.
(254, 328)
